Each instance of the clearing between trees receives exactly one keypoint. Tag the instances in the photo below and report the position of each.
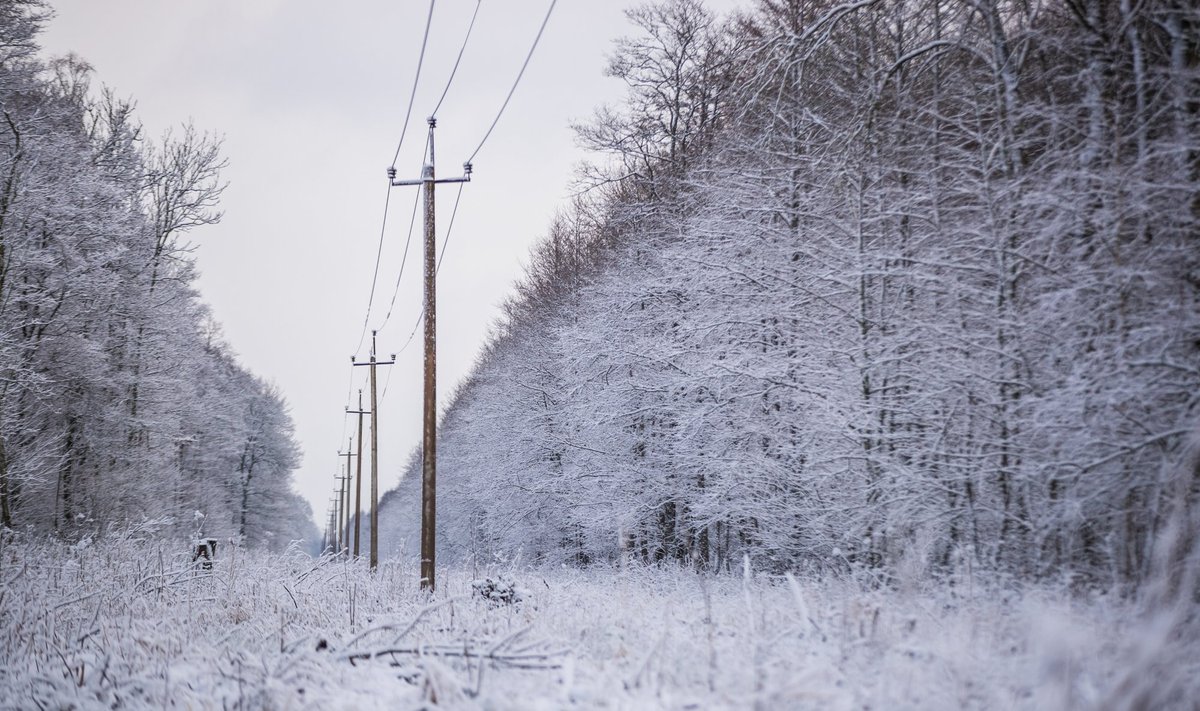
(129, 621)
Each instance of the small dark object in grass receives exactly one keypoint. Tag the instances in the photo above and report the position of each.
(206, 549)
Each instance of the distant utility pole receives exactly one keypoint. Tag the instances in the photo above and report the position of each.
(429, 429)
(341, 543)
(358, 480)
(374, 451)
(346, 499)
(333, 523)
(330, 543)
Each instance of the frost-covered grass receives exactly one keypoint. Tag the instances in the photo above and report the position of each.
(129, 622)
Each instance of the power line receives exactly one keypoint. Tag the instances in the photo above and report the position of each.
(349, 394)
(449, 227)
(515, 83)
(416, 78)
(375, 275)
(458, 197)
(387, 198)
(407, 242)
(458, 59)
(403, 131)
(446, 90)
(403, 261)
(441, 256)
(387, 381)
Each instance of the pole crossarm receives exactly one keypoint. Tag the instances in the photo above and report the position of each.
(424, 180)
(421, 181)
(427, 171)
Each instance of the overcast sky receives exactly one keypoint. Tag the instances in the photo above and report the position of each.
(310, 97)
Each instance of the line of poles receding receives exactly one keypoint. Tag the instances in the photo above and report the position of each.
(343, 533)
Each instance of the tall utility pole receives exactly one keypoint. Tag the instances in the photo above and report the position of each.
(346, 499)
(429, 418)
(358, 481)
(374, 451)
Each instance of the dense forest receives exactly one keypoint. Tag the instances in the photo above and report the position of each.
(119, 402)
(888, 284)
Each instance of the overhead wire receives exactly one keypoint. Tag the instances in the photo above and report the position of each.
(404, 260)
(525, 65)
(441, 255)
(387, 380)
(403, 131)
(416, 78)
(349, 394)
(515, 83)
(458, 197)
(438, 268)
(387, 198)
(445, 90)
(458, 58)
(375, 275)
(449, 228)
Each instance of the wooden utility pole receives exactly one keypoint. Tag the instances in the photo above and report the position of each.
(341, 543)
(332, 543)
(374, 451)
(346, 499)
(358, 481)
(346, 506)
(429, 416)
(332, 523)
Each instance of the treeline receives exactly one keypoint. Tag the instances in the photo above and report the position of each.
(118, 400)
(878, 283)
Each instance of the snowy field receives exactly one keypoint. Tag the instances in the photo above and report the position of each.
(130, 623)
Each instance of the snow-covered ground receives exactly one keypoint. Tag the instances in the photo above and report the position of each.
(130, 622)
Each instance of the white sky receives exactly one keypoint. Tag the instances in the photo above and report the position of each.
(310, 97)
